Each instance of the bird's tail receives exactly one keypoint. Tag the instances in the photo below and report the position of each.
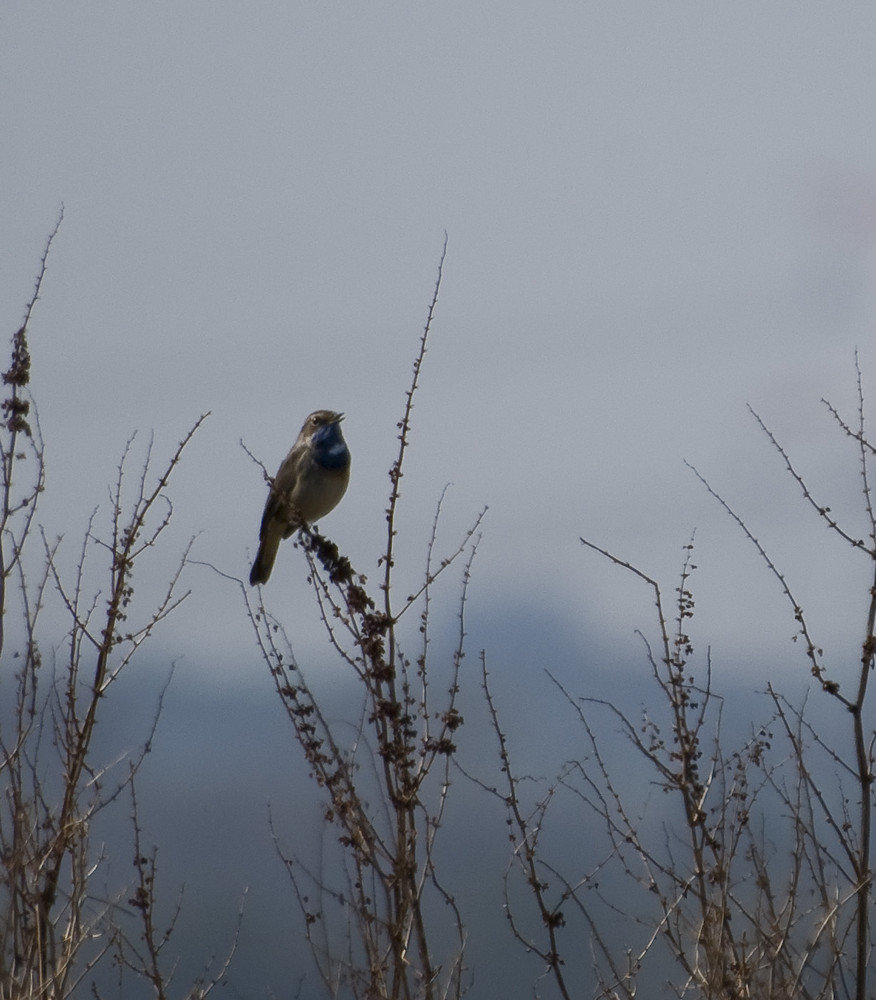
(264, 560)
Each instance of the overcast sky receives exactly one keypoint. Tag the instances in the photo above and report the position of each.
(656, 214)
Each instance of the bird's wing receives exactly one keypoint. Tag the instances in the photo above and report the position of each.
(282, 489)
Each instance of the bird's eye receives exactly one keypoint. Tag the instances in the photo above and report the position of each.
(314, 420)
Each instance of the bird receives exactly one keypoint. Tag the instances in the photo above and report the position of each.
(309, 483)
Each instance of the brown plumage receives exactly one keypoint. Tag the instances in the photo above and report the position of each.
(310, 482)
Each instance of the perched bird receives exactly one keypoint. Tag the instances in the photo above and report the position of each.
(309, 483)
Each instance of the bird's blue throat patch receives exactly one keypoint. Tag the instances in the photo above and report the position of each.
(330, 450)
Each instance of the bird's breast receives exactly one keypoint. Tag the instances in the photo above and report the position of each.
(333, 457)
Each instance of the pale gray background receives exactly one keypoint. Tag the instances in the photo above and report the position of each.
(657, 213)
